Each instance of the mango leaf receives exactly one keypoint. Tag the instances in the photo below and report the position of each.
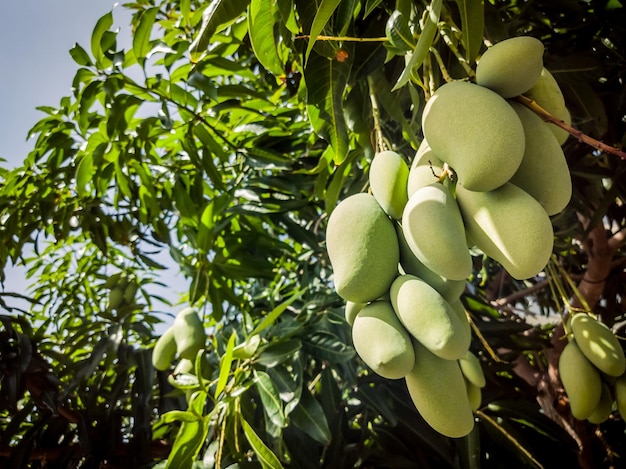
(309, 417)
(423, 44)
(225, 362)
(80, 55)
(472, 25)
(324, 12)
(327, 346)
(84, 174)
(189, 440)
(398, 32)
(326, 82)
(217, 16)
(205, 230)
(269, 397)
(261, 19)
(271, 317)
(370, 6)
(266, 457)
(141, 38)
(102, 26)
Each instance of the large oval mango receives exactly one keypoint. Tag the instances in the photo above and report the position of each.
(599, 344)
(363, 249)
(581, 381)
(189, 333)
(164, 350)
(439, 393)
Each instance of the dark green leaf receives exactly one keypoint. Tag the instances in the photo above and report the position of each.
(472, 25)
(309, 416)
(80, 55)
(277, 352)
(266, 457)
(327, 346)
(398, 32)
(272, 405)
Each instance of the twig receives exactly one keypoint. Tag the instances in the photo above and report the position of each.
(581, 137)
(344, 38)
(466, 66)
(380, 141)
(520, 294)
(442, 67)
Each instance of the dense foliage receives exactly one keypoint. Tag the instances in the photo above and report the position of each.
(218, 144)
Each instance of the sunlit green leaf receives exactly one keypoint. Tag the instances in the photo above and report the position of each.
(261, 18)
(141, 38)
(102, 26)
(80, 55)
(322, 17)
(265, 455)
(225, 363)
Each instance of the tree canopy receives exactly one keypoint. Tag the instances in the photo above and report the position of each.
(221, 141)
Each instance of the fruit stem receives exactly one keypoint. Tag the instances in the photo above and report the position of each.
(380, 140)
(442, 67)
(581, 137)
(466, 66)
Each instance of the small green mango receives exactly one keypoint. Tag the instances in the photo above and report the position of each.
(581, 381)
(604, 408)
(439, 393)
(189, 333)
(474, 395)
(164, 350)
(599, 344)
(476, 132)
(351, 310)
(620, 395)
(382, 342)
(388, 176)
(510, 226)
(433, 229)
(450, 289)
(363, 249)
(116, 298)
(547, 94)
(511, 67)
(472, 370)
(543, 173)
(425, 168)
(428, 317)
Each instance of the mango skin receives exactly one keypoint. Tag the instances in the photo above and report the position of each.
(425, 168)
(437, 389)
(511, 67)
(599, 344)
(510, 226)
(476, 132)
(474, 394)
(458, 308)
(388, 176)
(428, 317)
(620, 395)
(472, 370)
(363, 249)
(450, 289)
(382, 342)
(604, 407)
(189, 333)
(351, 310)
(581, 381)
(547, 94)
(433, 229)
(543, 173)
(164, 350)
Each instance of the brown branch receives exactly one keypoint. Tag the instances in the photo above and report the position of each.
(581, 137)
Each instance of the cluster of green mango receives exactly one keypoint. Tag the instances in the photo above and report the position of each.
(122, 290)
(488, 174)
(185, 338)
(591, 364)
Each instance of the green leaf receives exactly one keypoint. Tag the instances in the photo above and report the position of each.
(102, 26)
(472, 26)
(423, 43)
(205, 231)
(398, 32)
(84, 174)
(272, 405)
(261, 19)
(277, 352)
(273, 315)
(266, 457)
(370, 6)
(80, 55)
(326, 82)
(327, 346)
(141, 38)
(225, 363)
(322, 16)
(218, 15)
(187, 445)
(309, 416)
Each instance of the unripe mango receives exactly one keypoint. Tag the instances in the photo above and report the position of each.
(510, 226)
(116, 297)
(511, 67)
(433, 229)
(428, 317)
(363, 249)
(543, 173)
(474, 395)
(547, 94)
(457, 306)
(438, 390)
(604, 407)
(472, 370)
(476, 132)
(164, 350)
(599, 344)
(620, 395)
(450, 289)
(189, 333)
(388, 177)
(351, 310)
(382, 342)
(425, 168)
(581, 381)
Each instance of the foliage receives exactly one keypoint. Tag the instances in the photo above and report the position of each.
(219, 143)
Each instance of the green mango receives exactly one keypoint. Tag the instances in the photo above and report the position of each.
(433, 229)
(363, 249)
(450, 289)
(164, 350)
(604, 408)
(189, 333)
(351, 310)
(599, 344)
(620, 395)
(547, 94)
(510, 226)
(438, 391)
(457, 306)
(476, 132)
(382, 342)
(388, 176)
(425, 169)
(116, 298)
(474, 394)
(543, 173)
(511, 67)
(472, 370)
(428, 317)
(581, 381)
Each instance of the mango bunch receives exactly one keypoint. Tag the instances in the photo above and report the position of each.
(592, 367)
(488, 174)
(184, 338)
